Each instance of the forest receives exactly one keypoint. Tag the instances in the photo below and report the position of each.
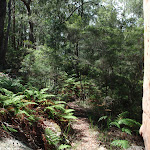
(64, 60)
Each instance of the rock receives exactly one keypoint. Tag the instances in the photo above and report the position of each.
(12, 144)
(136, 148)
(102, 148)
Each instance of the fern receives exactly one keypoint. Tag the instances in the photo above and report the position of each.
(123, 115)
(102, 118)
(125, 124)
(10, 84)
(115, 123)
(121, 143)
(7, 128)
(129, 122)
(69, 116)
(52, 137)
(63, 146)
(68, 111)
(60, 102)
(126, 130)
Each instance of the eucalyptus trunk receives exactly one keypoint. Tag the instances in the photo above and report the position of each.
(145, 128)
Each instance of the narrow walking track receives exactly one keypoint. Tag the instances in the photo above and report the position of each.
(86, 137)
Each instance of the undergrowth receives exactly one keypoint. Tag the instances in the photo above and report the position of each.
(126, 127)
(31, 112)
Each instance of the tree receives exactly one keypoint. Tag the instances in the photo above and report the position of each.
(145, 130)
(2, 19)
(27, 4)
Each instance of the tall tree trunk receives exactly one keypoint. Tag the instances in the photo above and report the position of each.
(31, 25)
(145, 128)
(14, 26)
(8, 29)
(2, 19)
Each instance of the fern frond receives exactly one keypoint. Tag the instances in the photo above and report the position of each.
(128, 122)
(126, 130)
(52, 137)
(69, 116)
(121, 143)
(60, 102)
(13, 100)
(102, 118)
(52, 110)
(123, 115)
(7, 92)
(114, 124)
(23, 112)
(69, 111)
(59, 107)
(63, 146)
(29, 103)
(42, 91)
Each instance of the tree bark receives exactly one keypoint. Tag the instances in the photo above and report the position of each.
(7, 32)
(145, 128)
(2, 20)
(27, 4)
(14, 26)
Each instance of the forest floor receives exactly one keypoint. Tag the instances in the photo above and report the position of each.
(85, 136)
(89, 137)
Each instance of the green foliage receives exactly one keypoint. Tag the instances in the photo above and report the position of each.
(10, 84)
(63, 146)
(8, 129)
(30, 105)
(55, 139)
(58, 109)
(88, 51)
(121, 143)
(122, 122)
(52, 137)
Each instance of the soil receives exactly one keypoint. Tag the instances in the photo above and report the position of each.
(86, 138)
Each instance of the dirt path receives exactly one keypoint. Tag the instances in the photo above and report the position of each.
(86, 137)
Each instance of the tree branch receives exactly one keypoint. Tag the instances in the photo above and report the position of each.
(76, 9)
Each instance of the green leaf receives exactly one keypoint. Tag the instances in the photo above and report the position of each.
(114, 124)
(69, 110)
(121, 143)
(63, 146)
(59, 107)
(42, 91)
(23, 112)
(126, 130)
(102, 118)
(50, 108)
(51, 136)
(123, 115)
(69, 117)
(5, 128)
(60, 102)
(128, 122)
(11, 129)
(29, 103)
